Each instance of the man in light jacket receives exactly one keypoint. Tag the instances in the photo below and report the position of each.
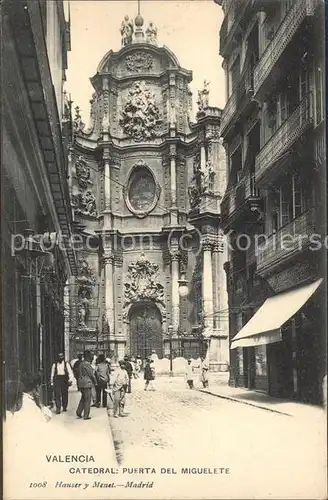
(120, 384)
(61, 378)
(86, 382)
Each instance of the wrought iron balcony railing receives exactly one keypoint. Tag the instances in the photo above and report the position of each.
(243, 87)
(285, 33)
(234, 16)
(290, 130)
(291, 239)
(237, 195)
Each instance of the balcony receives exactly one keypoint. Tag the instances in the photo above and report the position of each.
(231, 25)
(241, 94)
(283, 36)
(229, 111)
(241, 202)
(283, 139)
(291, 240)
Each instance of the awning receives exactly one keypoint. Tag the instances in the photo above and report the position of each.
(265, 326)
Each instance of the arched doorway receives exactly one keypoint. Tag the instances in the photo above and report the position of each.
(145, 330)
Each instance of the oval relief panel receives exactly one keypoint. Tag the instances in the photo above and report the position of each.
(142, 192)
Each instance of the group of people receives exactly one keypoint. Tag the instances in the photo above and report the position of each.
(190, 373)
(96, 380)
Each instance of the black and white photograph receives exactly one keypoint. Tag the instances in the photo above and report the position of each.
(164, 248)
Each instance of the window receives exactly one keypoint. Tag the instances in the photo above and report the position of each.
(235, 73)
(285, 204)
(298, 205)
(291, 202)
(318, 94)
(260, 360)
(303, 82)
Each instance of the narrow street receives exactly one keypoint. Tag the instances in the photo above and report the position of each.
(178, 427)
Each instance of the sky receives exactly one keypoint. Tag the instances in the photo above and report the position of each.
(190, 28)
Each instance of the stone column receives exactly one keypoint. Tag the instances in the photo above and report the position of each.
(175, 290)
(207, 288)
(203, 157)
(109, 291)
(173, 176)
(107, 185)
(107, 192)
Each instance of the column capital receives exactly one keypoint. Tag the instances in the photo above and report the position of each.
(207, 243)
(175, 255)
(107, 259)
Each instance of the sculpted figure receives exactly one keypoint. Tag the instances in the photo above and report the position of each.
(126, 31)
(78, 124)
(203, 96)
(90, 203)
(151, 34)
(83, 308)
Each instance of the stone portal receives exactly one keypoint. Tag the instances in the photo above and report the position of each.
(145, 330)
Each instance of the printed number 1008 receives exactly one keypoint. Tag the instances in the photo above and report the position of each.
(38, 485)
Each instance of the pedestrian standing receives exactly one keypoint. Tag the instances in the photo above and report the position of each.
(94, 392)
(204, 372)
(149, 375)
(76, 365)
(190, 374)
(86, 381)
(120, 383)
(61, 379)
(129, 370)
(138, 365)
(102, 377)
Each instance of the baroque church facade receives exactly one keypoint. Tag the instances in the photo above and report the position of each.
(146, 184)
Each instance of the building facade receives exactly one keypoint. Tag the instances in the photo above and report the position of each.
(273, 209)
(35, 192)
(146, 182)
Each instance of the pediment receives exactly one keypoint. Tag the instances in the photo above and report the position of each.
(141, 58)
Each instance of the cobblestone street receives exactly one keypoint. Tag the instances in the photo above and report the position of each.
(177, 427)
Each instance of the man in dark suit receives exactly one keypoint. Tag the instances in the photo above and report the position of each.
(85, 382)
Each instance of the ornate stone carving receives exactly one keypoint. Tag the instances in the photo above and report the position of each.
(139, 62)
(208, 178)
(82, 172)
(140, 114)
(203, 97)
(126, 31)
(213, 132)
(78, 124)
(196, 188)
(143, 283)
(151, 34)
(86, 281)
(84, 203)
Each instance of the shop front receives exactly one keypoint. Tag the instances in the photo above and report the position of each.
(278, 349)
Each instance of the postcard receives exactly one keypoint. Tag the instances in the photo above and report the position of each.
(164, 246)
